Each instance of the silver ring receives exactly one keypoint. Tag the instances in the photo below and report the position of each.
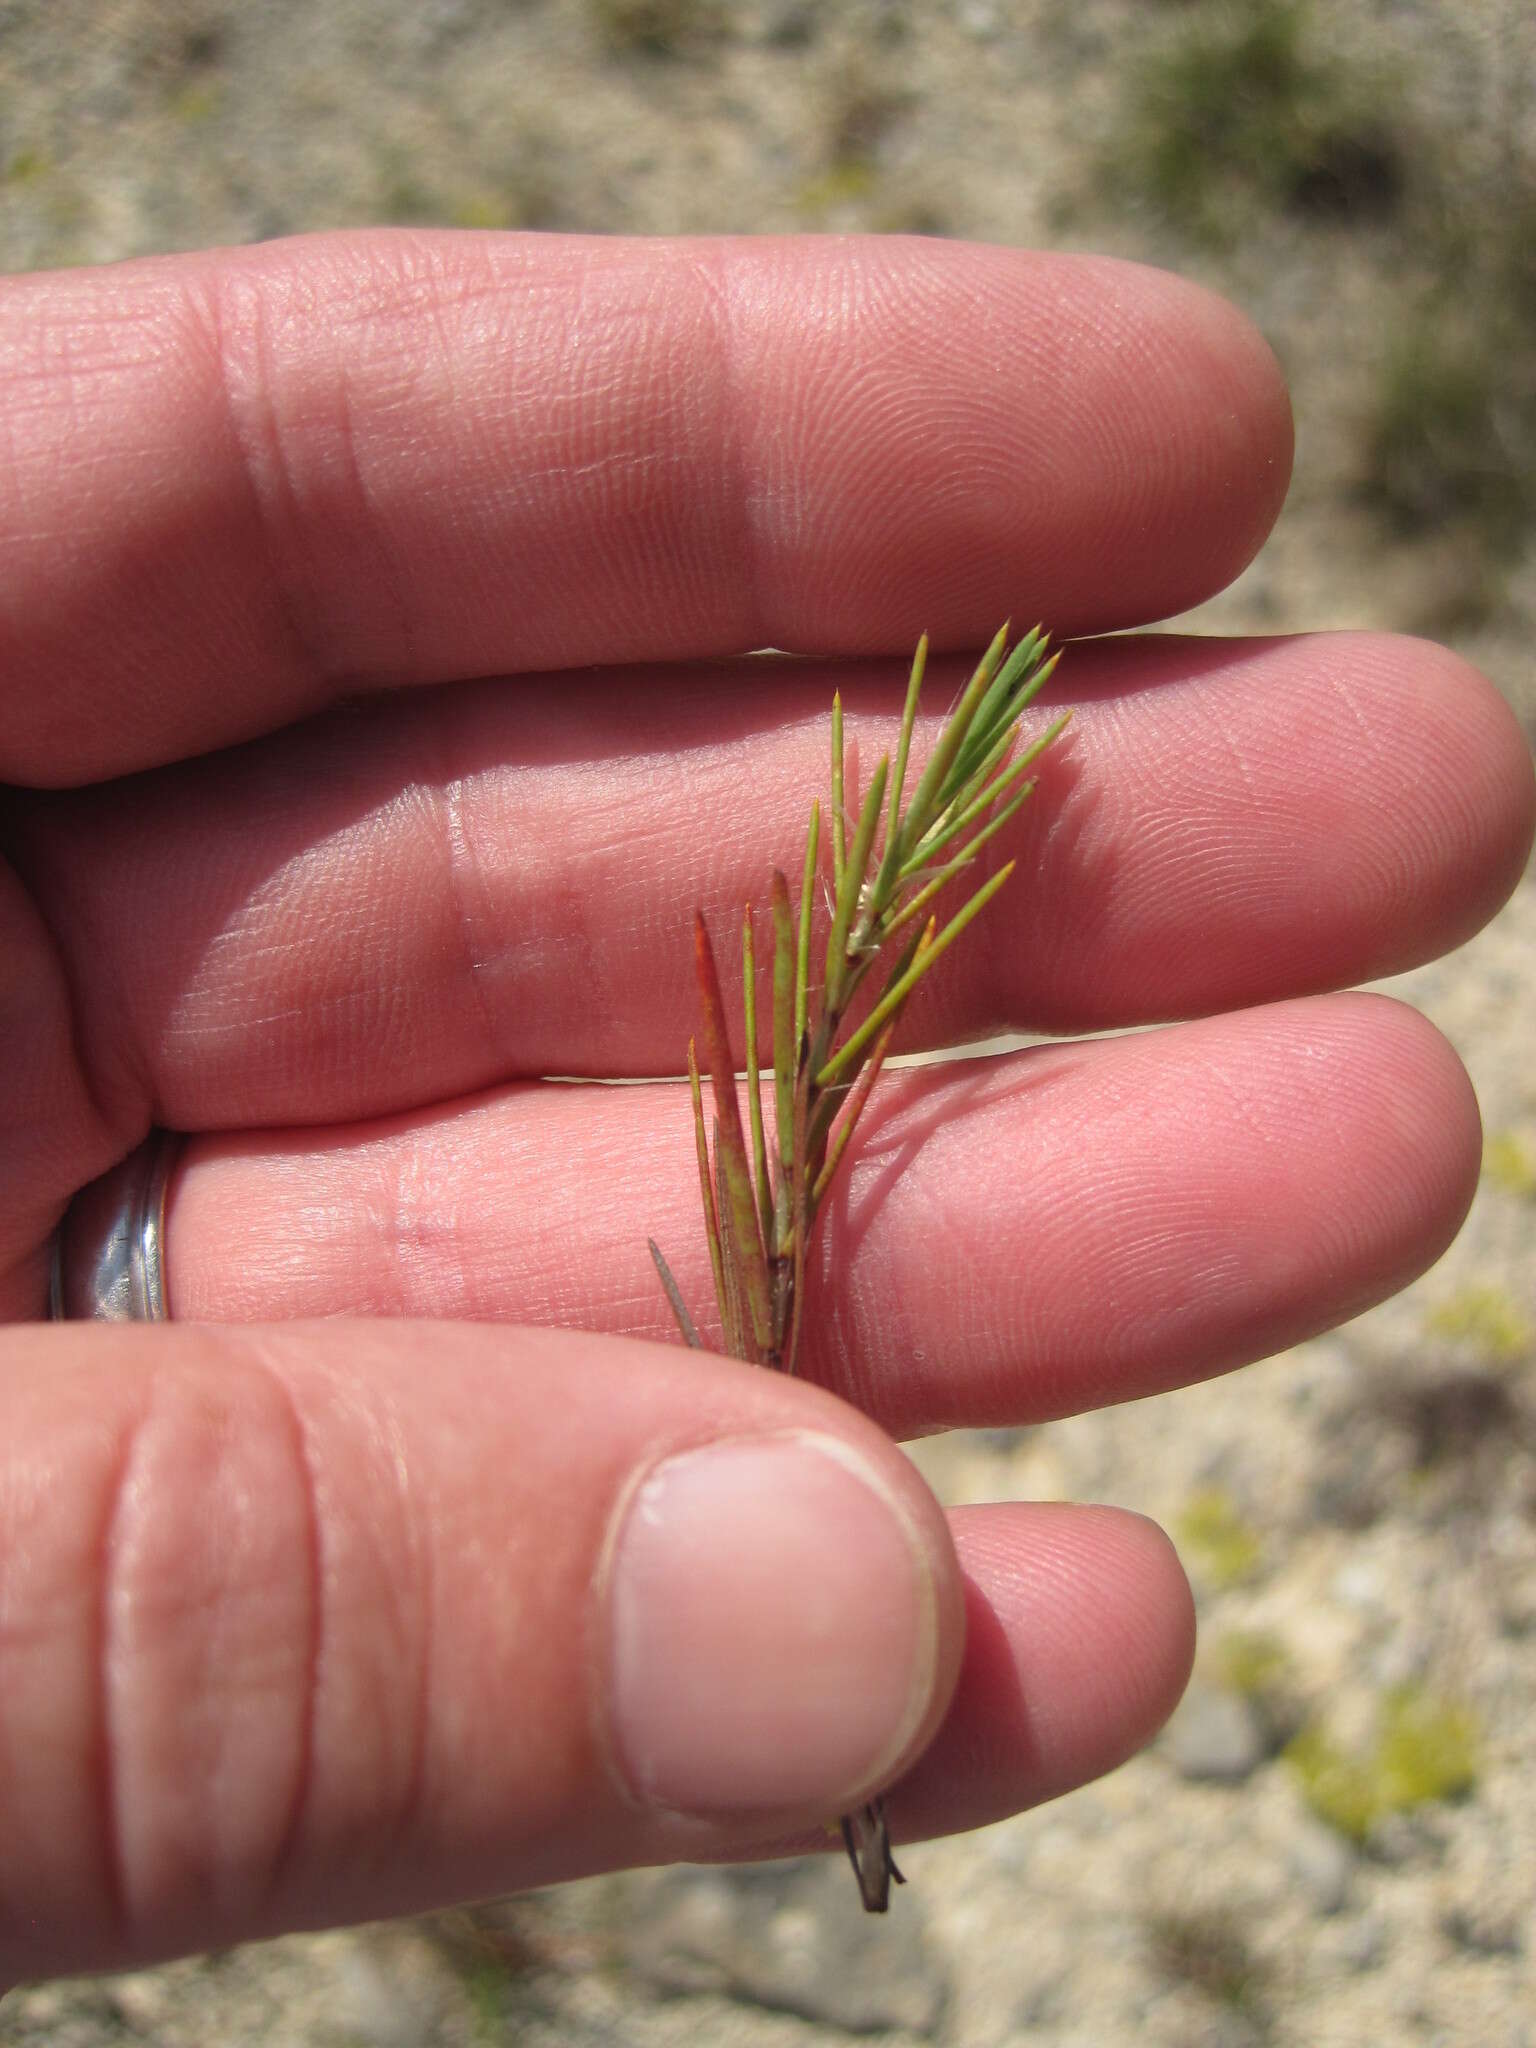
(109, 1252)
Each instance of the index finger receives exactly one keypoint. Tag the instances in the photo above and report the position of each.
(241, 484)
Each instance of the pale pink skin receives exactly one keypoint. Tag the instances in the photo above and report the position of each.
(317, 1620)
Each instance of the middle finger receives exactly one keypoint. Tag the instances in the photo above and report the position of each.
(1013, 1238)
(392, 906)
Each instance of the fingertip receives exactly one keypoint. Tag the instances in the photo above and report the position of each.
(1111, 1640)
(1234, 386)
(1489, 769)
(1427, 1132)
(1080, 1640)
(1219, 397)
(1151, 1562)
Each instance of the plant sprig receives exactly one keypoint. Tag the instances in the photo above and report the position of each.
(890, 861)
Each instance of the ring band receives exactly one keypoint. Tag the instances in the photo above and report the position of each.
(109, 1253)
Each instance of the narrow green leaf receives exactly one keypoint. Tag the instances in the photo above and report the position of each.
(673, 1292)
(706, 1182)
(730, 1306)
(855, 869)
(924, 804)
(983, 734)
(830, 1099)
(837, 791)
(904, 741)
(951, 827)
(903, 961)
(892, 854)
(955, 798)
(927, 953)
(755, 1083)
(962, 860)
(822, 1117)
(800, 1199)
(853, 1109)
(803, 944)
(997, 707)
(973, 767)
(956, 826)
(786, 1045)
(733, 1175)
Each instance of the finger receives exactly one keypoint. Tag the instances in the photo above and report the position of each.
(396, 908)
(1080, 1634)
(319, 1624)
(1016, 1238)
(238, 485)
(1079, 1638)
(334, 1623)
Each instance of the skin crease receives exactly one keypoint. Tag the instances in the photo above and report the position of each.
(449, 541)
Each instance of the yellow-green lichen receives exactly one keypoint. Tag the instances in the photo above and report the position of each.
(1487, 1319)
(1509, 1163)
(1425, 1749)
(1222, 1546)
(1251, 1662)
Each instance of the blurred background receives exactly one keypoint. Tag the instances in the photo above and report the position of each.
(1335, 1842)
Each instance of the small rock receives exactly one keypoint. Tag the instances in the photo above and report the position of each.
(1215, 1737)
(1397, 1839)
(139, 2001)
(1488, 1927)
(1484, 1901)
(1359, 1584)
(789, 25)
(1517, 1605)
(1323, 1865)
(1362, 1942)
(374, 2006)
(33, 2006)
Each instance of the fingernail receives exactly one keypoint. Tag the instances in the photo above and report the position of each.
(774, 1629)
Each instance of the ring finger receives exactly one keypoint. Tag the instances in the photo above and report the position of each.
(1018, 1237)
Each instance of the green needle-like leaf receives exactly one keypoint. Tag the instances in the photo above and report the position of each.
(962, 860)
(853, 1109)
(956, 827)
(925, 803)
(786, 1043)
(837, 790)
(754, 1083)
(830, 1099)
(908, 720)
(800, 1210)
(985, 731)
(927, 955)
(950, 827)
(997, 706)
(730, 1300)
(892, 855)
(803, 943)
(854, 870)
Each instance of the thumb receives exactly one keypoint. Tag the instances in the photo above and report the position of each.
(322, 1622)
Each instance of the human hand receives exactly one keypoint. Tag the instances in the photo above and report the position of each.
(314, 1620)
